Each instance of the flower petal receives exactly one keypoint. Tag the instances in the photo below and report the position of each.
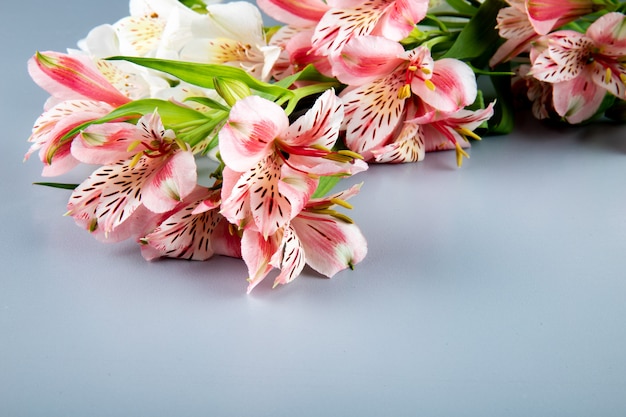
(257, 253)
(408, 146)
(319, 125)
(289, 258)
(365, 59)
(248, 135)
(578, 99)
(400, 19)
(72, 77)
(191, 236)
(331, 245)
(372, 112)
(170, 183)
(295, 12)
(454, 86)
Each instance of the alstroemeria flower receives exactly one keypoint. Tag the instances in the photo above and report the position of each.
(79, 94)
(514, 26)
(319, 236)
(232, 34)
(296, 53)
(272, 167)
(382, 77)
(583, 67)
(193, 230)
(433, 130)
(68, 77)
(155, 180)
(338, 21)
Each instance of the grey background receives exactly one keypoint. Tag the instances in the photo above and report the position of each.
(497, 289)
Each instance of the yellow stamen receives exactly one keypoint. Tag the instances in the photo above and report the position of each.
(181, 144)
(133, 145)
(426, 71)
(351, 154)
(623, 78)
(135, 159)
(412, 68)
(607, 76)
(430, 85)
(336, 215)
(460, 153)
(342, 203)
(404, 92)
(320, 147)
(466, 132)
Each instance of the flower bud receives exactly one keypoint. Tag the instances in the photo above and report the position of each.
(231, 90)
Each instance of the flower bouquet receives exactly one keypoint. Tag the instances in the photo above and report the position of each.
(282, 113)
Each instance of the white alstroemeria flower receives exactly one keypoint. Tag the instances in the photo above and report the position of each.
(232, 34)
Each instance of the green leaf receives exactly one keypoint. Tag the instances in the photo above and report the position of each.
(503, 119)
(202, 75)
(209, 102)
(479, 39)
(462, 6)
(195, 5)
(309, 73)
(325, 185)
(57, 185)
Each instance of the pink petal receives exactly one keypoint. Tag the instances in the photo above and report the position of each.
(295, 12)
(170, 183)
(338, 26)
(289, 258)
(401, 17)
(455, 86)
(109, 207)
(409, 146)
(249, 134)
(189, 235)
(610, 32)
(611, 78)
(319, 125)
(546, 15)
(235, 197)
(365, 59)
(331, 245)
(372, 112)
(297, 187)
(106, 144)
(55, 123)
(72, 77)
(578, 99)
(257, 252)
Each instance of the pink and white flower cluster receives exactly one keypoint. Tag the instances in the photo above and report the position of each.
(576, 54)
(283, 113)
(399, 103)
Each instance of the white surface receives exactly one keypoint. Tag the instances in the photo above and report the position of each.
(497, 289)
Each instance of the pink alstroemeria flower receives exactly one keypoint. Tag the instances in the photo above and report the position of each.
(79, 93)
(338, 21)
(514, 26)
(118, 201)
(319, 236)
(272, 167)
(433, 130)
(194, 230)
(383, 78)
(583, 67)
